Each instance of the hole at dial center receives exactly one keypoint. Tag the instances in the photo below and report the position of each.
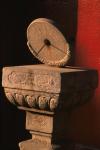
(47, 42)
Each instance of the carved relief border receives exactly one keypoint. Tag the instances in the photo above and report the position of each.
(47, 101)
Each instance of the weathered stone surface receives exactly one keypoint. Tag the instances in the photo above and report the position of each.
(49, 79)
(67, 146)
(31, 145)
(48, 88)
(46, 94)
(40, 137)
(39, 122)
(47, 123)
(47, 43)
(48, 101)
(46, 127)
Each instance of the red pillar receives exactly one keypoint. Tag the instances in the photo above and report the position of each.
(85, 121)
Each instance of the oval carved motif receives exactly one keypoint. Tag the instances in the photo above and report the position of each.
(31, 101)
(19, 99)
(43, 102)
(10, 97)
(22, 78)
(53, 103)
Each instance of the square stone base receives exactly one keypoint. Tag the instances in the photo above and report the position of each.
(31, 145)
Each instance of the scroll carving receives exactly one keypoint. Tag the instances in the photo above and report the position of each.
(33, 81)
(41, 80)
(22, 78)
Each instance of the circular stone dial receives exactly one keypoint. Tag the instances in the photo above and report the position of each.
(47, 43)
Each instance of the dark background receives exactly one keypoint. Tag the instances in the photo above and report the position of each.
(15, 16)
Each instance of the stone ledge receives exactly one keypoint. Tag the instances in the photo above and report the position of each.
(49, 79)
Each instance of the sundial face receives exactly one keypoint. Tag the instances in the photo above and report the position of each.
(47, 43)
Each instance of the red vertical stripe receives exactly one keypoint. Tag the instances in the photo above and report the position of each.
(85, 121)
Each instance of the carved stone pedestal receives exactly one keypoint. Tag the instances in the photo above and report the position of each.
(47, 129)
(46, 94)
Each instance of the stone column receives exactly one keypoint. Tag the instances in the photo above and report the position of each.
(47, 94)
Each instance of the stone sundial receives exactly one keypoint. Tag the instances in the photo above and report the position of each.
(47, 93)
(47, 43)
